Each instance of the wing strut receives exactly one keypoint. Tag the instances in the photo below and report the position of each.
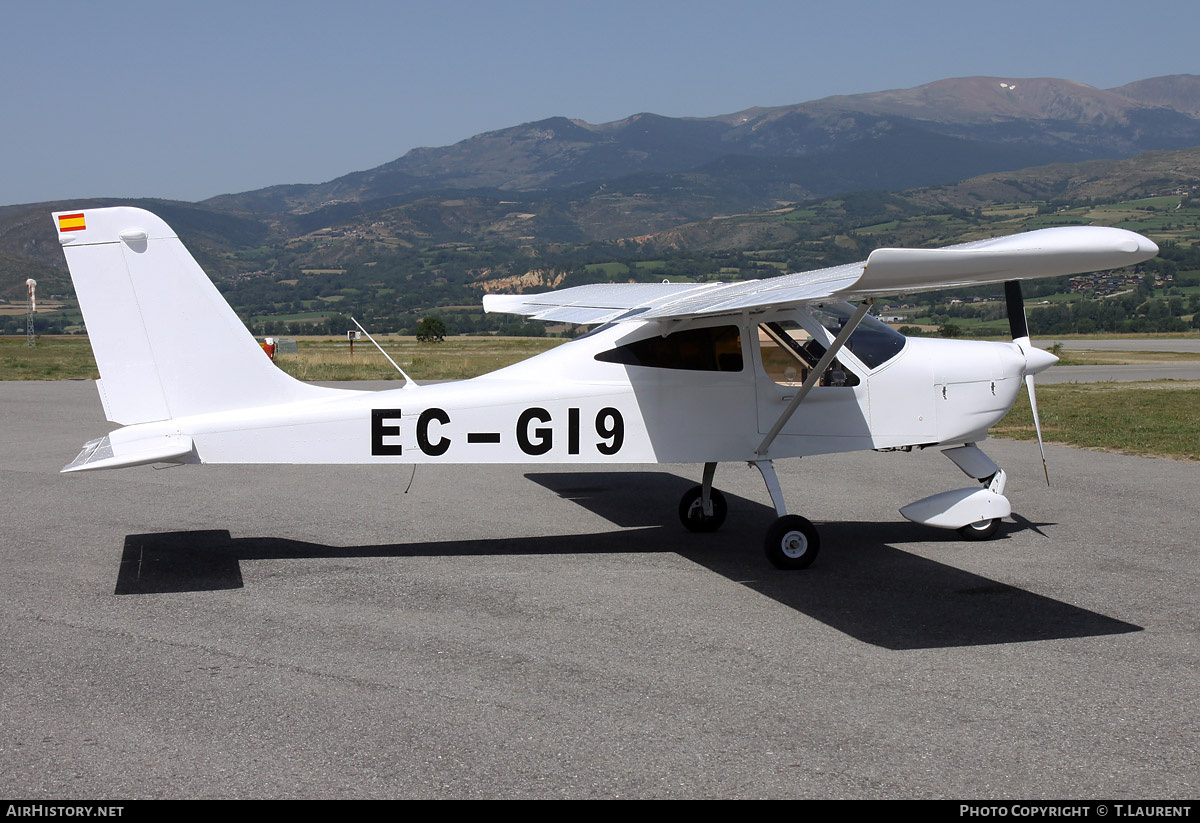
(815, 375)
(408, 381)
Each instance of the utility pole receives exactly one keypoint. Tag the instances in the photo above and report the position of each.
(29, 336)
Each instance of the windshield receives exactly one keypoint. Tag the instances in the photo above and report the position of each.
(873, 342)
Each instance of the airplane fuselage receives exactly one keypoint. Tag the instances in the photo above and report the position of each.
(574, 404)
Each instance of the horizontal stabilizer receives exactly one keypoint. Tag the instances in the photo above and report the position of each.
(103, 454)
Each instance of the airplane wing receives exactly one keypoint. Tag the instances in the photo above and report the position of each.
(1042, 253)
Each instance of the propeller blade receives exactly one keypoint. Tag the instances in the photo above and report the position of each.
(1016, 310)
(1037, 424)
(1035, 359)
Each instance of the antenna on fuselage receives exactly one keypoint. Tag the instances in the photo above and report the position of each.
(408, 381)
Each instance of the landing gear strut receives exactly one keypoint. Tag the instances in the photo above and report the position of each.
(792, 541)
(703, 508)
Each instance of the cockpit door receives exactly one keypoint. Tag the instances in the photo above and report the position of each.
(838, 406)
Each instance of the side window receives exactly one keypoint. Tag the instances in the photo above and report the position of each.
(789, 353)
(716, 348)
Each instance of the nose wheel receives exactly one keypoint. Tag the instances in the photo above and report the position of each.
(982, 530)
(792, 541)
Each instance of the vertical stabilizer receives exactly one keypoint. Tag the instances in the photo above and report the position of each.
(166, 343)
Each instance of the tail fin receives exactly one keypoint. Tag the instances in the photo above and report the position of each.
(166, 343)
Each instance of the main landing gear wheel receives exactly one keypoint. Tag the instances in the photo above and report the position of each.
(981, 530)
(792, 542)
(691, 510)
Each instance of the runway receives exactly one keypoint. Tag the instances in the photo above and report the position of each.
(516, 631)
(1132, 373)
(1187, 345)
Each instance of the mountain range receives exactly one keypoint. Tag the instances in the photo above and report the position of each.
(562, 180)
(899, 139)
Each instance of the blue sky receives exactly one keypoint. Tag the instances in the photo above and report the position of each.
(192, 99)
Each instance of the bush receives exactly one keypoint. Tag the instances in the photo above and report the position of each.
(431, 330)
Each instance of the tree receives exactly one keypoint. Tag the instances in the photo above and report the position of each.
(431, 330)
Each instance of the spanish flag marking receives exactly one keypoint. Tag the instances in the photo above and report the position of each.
(71, 222)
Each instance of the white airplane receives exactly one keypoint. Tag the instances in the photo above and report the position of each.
(753, 371)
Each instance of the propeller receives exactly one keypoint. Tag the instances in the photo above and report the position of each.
(1036, 360)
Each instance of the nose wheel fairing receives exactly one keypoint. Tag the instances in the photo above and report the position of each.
(968, 510)
(958, 508)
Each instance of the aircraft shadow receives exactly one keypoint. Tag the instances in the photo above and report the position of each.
(862, 585)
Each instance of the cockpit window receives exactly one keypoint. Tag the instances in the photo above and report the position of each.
(789, 353)
(873, 342)
(715, 348)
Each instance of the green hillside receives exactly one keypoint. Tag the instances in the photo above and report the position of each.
(391, 267)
